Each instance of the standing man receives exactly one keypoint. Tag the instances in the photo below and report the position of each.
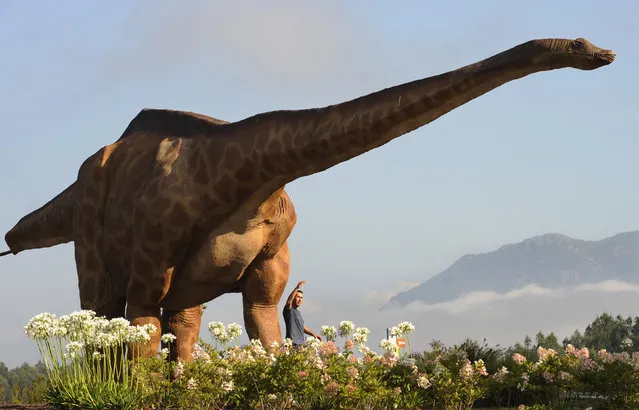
(295, 328)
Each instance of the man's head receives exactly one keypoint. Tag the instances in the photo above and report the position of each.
(299, 298)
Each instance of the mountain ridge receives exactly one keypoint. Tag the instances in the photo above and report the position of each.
(550, 260)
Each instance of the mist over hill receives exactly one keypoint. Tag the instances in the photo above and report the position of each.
(550, 261)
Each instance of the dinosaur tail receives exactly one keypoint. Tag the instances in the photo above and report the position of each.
(49, 225)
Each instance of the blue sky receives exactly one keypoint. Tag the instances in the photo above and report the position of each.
(553, 152)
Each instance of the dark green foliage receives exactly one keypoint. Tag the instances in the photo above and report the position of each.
(492, 356)
(23, 384)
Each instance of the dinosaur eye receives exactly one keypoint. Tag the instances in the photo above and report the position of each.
(578, 45)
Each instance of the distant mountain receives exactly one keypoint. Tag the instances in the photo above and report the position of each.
(551, 261)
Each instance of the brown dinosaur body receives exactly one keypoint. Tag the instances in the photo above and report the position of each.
(184, 208)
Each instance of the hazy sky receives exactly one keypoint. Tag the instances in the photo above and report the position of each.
(553, 152)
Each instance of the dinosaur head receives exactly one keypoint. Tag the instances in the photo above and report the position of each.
(579, 53)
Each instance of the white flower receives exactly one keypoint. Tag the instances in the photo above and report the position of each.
(121, 329)
(179, 370)
(40, 326)
(191, 384)
(405, 328)
(423, 382)
(199, 354)
(271, 397)
(227, 386)
(164, 352)
(313, 343)
(388, 346)
(138, 334)
(345, 328)
(150, 329)
(168, 338)
(361, 335)
(255, 345)
(218, 331)
(224, 372)
(287, 343)
(80, 325)
(329, 332)
(73, 349)
(234, 330)
(104, 340)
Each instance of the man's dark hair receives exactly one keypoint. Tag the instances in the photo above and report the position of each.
(300, 291)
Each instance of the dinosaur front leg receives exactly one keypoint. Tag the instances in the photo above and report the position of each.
(96, 289)
(185, 325)
(140, 316)
(93, 278)
(147, 285)
(262, 287)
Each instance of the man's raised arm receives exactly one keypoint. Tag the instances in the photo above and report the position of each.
(289, 301)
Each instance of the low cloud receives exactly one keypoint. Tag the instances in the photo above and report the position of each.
(611, 286)
(381, 297)
(473, 300)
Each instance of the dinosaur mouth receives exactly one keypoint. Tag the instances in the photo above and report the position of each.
(606, 56)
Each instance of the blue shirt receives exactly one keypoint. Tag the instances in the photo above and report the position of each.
(294, 325)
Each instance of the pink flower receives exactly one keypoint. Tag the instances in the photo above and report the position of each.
(583, 353)
(389, 359)
(332, 388)
(548, 376)
(500, 375)
(635, 361)
(545, 354)
(621, 357)
(352, 372)
(564, 375)
(350, 388)
(480, 368)
(328, 348)
(466, 370)
(349, 344)
(587, 364)
(302, 374)
(518, 358)
(605, 356)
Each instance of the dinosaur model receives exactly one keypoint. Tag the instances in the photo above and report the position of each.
(184, 208)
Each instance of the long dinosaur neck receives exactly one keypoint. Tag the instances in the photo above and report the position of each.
(282, 146)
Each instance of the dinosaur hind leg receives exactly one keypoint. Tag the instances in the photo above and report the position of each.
(262, 287)
(149, 278)
(185, 326)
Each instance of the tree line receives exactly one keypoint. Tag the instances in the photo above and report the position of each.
(615, 334)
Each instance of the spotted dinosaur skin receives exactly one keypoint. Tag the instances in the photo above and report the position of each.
(183, 208)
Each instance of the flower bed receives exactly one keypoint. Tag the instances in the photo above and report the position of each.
(84, 356)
